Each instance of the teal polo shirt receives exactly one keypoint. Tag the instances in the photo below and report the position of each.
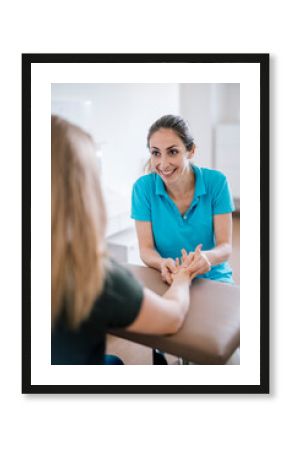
(173, 231)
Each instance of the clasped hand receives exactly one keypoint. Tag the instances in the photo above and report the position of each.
(195, 263)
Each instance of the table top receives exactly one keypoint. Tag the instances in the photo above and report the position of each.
(211, 330)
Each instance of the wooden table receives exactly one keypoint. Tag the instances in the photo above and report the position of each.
(211, 331)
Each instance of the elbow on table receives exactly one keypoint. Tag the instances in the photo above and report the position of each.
(229, 250)
(176, 322)
(177, 325)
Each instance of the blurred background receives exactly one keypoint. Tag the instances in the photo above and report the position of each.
(118, 117)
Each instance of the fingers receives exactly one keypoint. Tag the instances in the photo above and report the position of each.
(195, 269)
(186, 258)
(183, 256)
(195, 256)
(193, 275)
(198, 249)
(191, 257)
(163, 276)
(196, 263)
(167, 277)
(170, 264)
(200, 265)
(168, 267)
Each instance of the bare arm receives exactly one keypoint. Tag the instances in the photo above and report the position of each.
(149, 254)
(200, 262)
(164, 315)
(223, 237)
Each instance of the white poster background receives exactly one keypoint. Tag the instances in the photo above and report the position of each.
(248, 75)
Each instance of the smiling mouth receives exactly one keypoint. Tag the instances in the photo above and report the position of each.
(167, 173)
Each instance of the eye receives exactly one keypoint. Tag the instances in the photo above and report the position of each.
(155, 153)
(173, 151)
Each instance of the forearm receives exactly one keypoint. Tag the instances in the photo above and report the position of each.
(151, 258)
(179, 292)
(219, 254)
(164, 315)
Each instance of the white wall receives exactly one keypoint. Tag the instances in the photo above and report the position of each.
(195, 107)
(213, 113)
(205, 106)
(225, 102)
(120, 117)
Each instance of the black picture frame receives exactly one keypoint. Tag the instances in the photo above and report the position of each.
(263, 61)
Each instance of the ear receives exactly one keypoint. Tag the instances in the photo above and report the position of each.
(191, 152)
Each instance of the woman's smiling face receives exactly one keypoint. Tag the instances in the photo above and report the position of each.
(169, 156)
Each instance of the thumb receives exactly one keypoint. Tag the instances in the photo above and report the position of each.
(184, 257)
(171, 265)
(198, 248)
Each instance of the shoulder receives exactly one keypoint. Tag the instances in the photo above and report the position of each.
(214, 180)
(120, 282)
(212, 175)
(146, 181)
(145, 186)
(122, 296)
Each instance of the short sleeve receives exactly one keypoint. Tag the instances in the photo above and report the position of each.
(140, 207)
(122, 296)
(222, 201)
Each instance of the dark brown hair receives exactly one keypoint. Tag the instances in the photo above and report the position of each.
(176, 124)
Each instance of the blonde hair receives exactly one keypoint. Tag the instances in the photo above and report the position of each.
(77, 224)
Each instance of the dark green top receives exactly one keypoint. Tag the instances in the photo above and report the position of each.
(117, 306)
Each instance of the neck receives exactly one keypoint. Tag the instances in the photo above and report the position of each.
(184, 185)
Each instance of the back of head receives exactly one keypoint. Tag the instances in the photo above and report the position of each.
(77, 224)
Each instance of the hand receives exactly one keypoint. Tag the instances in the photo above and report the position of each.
(196, 262)
(167, 268)
(181, 275)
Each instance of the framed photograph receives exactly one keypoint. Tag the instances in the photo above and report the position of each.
(120, 102)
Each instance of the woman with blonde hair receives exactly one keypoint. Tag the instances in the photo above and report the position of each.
(90, 292)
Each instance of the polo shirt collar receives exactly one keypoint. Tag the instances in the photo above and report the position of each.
(199, 183)
(160, 186)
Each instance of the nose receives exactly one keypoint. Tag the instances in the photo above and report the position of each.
(163, 162)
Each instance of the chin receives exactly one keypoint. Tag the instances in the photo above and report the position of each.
(172, 179)
(169, 179)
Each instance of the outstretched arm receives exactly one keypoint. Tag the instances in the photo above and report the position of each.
(164, 315)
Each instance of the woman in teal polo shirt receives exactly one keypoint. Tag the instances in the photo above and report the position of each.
(181, 209)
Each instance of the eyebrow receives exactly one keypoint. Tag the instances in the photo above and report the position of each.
(168, 148)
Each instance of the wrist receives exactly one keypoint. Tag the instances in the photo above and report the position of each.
(181, 276)
(160, 264)
(210, 256)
